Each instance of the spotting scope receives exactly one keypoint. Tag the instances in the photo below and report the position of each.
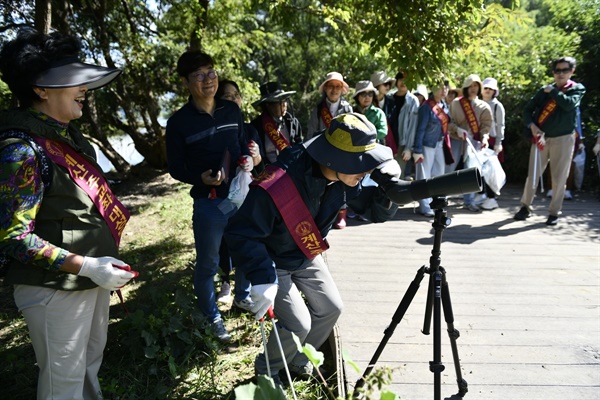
(453, 183)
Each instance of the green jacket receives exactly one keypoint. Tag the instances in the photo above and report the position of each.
(67, 217)
(377, 117)
(562, 121)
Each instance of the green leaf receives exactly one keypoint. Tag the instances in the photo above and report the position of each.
(349, 361)
(387, 395)
(265, 390)
(314, 356)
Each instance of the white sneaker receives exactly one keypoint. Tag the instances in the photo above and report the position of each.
(245, 304)
(480, 198)
(568, 195)
(224, 295)
(489, 204)
(549, 193)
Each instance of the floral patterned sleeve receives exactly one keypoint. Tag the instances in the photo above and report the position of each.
(21, 193)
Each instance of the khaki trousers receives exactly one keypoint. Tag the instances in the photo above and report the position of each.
(68, 331)
(559, 153)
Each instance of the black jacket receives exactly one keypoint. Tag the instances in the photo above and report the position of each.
(257, 236)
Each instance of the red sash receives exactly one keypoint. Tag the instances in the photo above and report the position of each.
(294, 212)
(88, 178)
(444, 120)
(274, 135)
(550, 107)
(470, 116)
(326, 114)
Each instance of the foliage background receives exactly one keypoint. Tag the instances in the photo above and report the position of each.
(161, 350)
(298, 41)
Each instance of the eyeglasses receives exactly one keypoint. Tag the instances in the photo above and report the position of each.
(231, 96)
(334, 87)
(562, 70)
(201, 76)
(368, 94)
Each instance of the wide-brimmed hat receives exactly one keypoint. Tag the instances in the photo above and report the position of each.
(492, 84)
(334, 76)
(70, 72)
(470, 79)
(380, 77)
(349, 145)
(454, 90)
(364, 86)
(272, 92)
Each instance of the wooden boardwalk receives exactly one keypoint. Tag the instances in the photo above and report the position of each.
(525, 296)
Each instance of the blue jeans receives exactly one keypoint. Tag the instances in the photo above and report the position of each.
(209, 224)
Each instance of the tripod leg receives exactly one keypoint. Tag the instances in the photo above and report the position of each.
(436, 365)
(453, 333)
(428, 306)
(398, 315)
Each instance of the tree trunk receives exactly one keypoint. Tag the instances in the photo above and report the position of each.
(43, 15)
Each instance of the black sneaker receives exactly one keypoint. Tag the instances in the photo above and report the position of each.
(523, 214)
(552, 220)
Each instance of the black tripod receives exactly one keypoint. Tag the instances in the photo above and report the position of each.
(438, 296)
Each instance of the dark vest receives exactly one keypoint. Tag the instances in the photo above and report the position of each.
(67, 217)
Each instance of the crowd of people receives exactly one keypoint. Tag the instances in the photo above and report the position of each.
(61, 224)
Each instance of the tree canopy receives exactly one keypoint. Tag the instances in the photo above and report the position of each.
(299, 41)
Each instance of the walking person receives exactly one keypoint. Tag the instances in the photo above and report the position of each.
(59, 232)
(551, 116)
(488, 199)
(471, 119)
(278, 235)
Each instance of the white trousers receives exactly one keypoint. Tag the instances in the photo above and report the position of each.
(68, 331)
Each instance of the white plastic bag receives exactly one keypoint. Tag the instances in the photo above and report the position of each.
(487, 161)
(492, 171)
(239, 187)
(579, 161)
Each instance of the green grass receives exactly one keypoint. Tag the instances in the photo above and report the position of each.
(161, 349)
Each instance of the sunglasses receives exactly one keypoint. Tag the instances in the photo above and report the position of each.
(334, 87)
(562, 70)
(487, 88)
(201, 76)
(368, 94)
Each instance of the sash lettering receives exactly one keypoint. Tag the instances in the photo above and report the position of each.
(550, 106)
(274, 135)
(470, 116)
(444, 120)
(326, 114)
(90, 180)
(294, 212)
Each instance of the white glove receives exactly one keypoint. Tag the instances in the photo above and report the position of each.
(246, 163)
(462, 133)
(417, 157)
(106, 272)
(596, 149)
(498, 148)
(391, 168)
(254, 149)
(263, 297)
(406, 154)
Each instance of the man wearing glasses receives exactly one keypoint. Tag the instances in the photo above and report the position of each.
(551, 115)
(205, 143)
(331, 105)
